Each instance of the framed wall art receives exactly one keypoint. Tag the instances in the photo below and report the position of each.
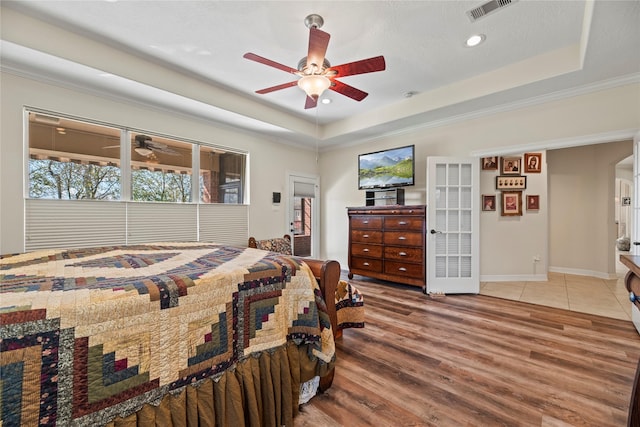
(533, 202)
(511, 182)
(488, 202)
(532, 162)
(510, 165)
(511, 203)
(489, 163)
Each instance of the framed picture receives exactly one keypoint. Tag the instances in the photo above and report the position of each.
(488, 202)
(511, 182)
(626, 201)
(532, 162)
(511, 203)
(510, 165)
(489, 163)
(533, 202)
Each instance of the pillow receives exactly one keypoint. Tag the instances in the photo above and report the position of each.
(280, 245)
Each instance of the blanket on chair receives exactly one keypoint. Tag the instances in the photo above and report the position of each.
(349, 306)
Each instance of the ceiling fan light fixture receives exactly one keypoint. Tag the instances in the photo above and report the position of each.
(143, 151)
(314, 85)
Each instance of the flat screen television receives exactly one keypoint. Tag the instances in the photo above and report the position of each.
(394, 167)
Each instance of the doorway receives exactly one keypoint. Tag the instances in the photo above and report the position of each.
(303, 215)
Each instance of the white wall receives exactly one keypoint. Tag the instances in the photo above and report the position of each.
(268, 160)
(508, 244)
(554, 124)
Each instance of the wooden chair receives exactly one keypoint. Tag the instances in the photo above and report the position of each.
(278, 244)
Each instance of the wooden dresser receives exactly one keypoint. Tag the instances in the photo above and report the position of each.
(388, 243)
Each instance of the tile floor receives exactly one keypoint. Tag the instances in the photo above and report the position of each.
(577, 293)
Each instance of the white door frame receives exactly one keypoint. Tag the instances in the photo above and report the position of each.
(293, 177)
(635, 218)
(453, 243)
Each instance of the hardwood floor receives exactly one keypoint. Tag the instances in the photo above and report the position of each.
(476, 360)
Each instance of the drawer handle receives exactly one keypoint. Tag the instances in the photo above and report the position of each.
(366, 236)
(402, 238)
(365, 250)
(402, 223)
(402, 269)
(402, 254)
(365, 264)
(365, 222)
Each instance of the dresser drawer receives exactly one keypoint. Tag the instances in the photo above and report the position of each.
(403, 223)
(366, 222)
(372, 265)
(366, 236)
(404, 254)
(404, 269)
(360, 249)
(408, 238)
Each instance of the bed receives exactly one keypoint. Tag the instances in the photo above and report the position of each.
(162, 334)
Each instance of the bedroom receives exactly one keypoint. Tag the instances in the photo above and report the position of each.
(569, 119)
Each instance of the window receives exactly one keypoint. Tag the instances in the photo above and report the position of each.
(221, 176)
(72, 160)
(160, 169)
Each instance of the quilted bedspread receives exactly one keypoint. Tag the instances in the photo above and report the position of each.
(89, 334)
(349, 306)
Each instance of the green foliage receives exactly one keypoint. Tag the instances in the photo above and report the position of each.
(402, 169)
(160, 186)
(51, 179)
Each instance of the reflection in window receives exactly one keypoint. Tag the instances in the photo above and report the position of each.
(72, 160)
(160, 169)
(221, 176)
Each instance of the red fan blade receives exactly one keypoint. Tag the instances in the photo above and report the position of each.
(363, 66)
(347, 90)
(318, 42)
(310, 103)
(265, 61)
(274, 88)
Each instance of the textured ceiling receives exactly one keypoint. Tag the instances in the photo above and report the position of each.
(189, 54)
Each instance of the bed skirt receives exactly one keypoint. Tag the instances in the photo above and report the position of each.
(261, 391)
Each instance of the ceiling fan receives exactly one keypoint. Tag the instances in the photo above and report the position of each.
(316, 73)
(145, 146)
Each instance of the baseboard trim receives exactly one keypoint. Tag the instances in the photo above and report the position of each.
(580, 272)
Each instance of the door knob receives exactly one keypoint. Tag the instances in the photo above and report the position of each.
(435, 232)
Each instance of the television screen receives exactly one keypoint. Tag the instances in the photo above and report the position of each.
(386, 168)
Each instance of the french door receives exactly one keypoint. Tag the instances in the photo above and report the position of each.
(453, 205)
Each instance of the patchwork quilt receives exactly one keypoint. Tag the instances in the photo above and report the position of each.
(349, 306)
(89, 334)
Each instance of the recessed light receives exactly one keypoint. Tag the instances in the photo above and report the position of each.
(326, 101)
(475, 40)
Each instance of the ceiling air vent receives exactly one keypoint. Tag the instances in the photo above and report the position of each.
(487, 8)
